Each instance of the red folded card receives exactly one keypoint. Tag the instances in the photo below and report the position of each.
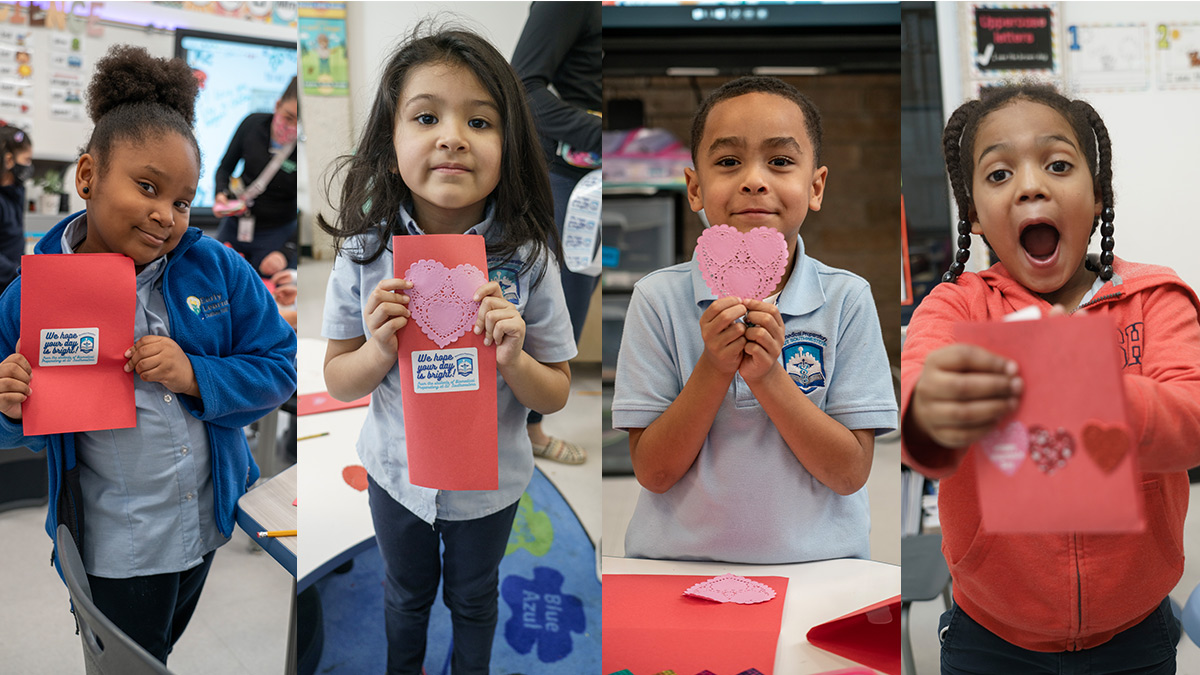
(311, 404)
(447, 374)
(649, 625)
(76, 347)
(870, 636)
(1065, 460)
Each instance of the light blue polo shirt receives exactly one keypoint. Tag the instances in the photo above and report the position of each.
(548, 339)
(147, 491)
(746, 499)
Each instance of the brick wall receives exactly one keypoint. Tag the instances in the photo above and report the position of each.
(858, 226)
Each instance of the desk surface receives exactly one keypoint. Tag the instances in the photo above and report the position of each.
(817, 592)
(269, 507)
(334, 517)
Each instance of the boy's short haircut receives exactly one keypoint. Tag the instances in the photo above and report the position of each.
(751, 84)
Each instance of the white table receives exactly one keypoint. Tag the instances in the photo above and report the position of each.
(817, 592)
(335, 519)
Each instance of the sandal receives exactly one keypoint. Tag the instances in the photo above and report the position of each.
(561, 451)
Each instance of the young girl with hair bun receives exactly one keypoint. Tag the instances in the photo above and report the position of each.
(1032, 172)
(148, 506)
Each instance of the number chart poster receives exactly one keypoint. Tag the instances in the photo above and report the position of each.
(1008, 41)
(1108, 57)
(1177, 46)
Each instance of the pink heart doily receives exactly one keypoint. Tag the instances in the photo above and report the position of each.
(745, 265)
(442, 300)
(1050, 451)
(1007, 446)
(732, 588)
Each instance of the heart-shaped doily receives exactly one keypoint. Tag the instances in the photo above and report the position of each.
(1106, 444)
(442, 300)
(732, 588)
(1007, 446)
(744, 265)
(1049, 450)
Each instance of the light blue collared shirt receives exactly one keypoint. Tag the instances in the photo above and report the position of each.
(147, 491)
(548, 338)
(746, 499)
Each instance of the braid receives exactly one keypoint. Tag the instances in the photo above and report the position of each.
(959, 183)
(1103, 176)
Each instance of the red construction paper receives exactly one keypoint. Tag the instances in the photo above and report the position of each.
(450, 434)
(310, 404)
(69, 398)
(1037, 473)
(870, 636)
(649, 625)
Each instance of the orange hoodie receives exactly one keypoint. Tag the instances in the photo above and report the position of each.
(1065, 592)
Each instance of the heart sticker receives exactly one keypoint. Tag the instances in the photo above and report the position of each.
(1050, 450)
(1007, 446)
(745, 265)
(1106, 444)
(355, 476)
(442, 300)
(732, 588)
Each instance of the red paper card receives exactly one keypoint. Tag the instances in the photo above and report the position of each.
(651, 626)
(76, 347)
(1065, 461)
(310, 404)
(870, 636)
(448, 375)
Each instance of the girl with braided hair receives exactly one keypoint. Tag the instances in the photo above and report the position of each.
(1032, 172)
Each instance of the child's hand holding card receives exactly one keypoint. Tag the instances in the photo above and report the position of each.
(1066, 459)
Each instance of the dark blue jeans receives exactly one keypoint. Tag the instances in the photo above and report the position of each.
(1145, 649)
(470, 567)
(152, 610)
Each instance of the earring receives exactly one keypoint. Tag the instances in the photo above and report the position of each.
(963, 252)
(86, 189)
(1106, 243)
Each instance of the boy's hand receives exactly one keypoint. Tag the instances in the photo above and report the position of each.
(499, 321)
(764, 340)
(724, 336)
(387, 312)
(963, 392)
(14, 383)
(158, 358)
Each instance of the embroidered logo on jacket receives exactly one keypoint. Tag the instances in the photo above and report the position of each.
(804, 360)
(209, 306)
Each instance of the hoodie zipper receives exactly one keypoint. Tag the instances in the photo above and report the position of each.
(1099, 299)
(1078, 592)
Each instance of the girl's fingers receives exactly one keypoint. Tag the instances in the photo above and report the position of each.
(488, 290)
(967, 416)
(965, 358)
(973, 386)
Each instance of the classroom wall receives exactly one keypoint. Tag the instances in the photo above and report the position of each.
(1154, 136)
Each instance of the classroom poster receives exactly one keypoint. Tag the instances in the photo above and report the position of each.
(1010, 40)
(1108, 57)
(323, 63)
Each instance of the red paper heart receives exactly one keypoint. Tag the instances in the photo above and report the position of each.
(1106, 444)
(355, 476)
(1050, 450)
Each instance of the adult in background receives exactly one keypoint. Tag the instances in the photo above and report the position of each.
(16, 148)
(561, 46)
(260, 221)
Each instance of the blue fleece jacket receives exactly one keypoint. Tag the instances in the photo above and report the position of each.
(242, 352)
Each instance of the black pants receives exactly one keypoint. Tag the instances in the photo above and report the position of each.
(152, 610)
(470, 568)
(1147, 649)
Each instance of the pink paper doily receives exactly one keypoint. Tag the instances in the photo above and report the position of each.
(745, 265)
(442, 300)
(732, 588)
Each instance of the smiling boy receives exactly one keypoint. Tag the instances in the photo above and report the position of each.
(753, 439)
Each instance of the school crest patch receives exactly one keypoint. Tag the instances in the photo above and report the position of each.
(804, 360)
(507, 275)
